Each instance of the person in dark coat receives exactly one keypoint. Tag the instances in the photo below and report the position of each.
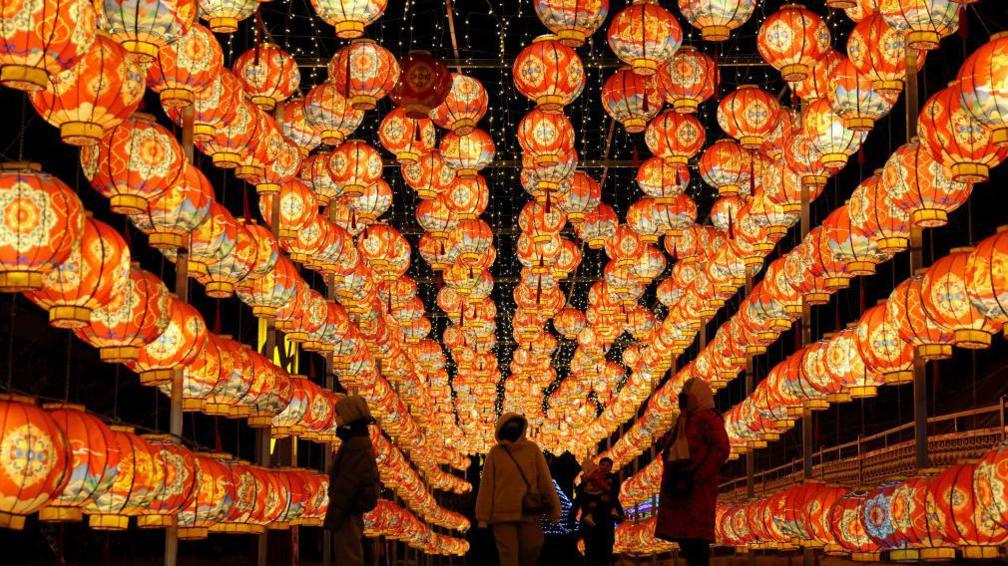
(598, 500)
(688, 494)
(353, 481)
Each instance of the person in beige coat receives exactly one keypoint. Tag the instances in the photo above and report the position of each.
(513, 467)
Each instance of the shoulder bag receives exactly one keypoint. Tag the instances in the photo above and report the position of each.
(533, 502)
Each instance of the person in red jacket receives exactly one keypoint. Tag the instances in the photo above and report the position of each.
(693, 456)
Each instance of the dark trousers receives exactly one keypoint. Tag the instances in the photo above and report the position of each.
(696, 552)
(598, 542)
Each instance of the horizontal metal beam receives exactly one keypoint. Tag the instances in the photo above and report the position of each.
(725, 61)
(517, 164)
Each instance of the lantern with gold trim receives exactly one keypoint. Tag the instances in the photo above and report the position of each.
(143, 29)
(922, 22)
(222, 16)
(183, 68)
(181, 342)
(331, 113)
(674, 137)
(644, 35)
(297, 129)
(349, 17)
(905, 309)
(983, 89)
(179, 211)
(407, 138)
(879, 52)
(545, 135)
(467, 154)
(726, 167)
(178, 482)
(792, 39)
(268, 74)
(136, 485)
(854, 98)
(830, 135)
(572, 21)
(948, 304)
(429, 175)
(354, 165)
(749, 114)
(423, 84)
(364, 72)
(212, 498)
(464, 106)
(268, 292)
(688, 79)
(917, 183)
(467, 198)
(138, 313)
(214, 106)
(549, 73)
(43, 39)
(716, 19)
(952, 136)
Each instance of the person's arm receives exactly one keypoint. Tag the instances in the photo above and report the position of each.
(546, 487)
(716, 444)
(484, 497)
(341, 486)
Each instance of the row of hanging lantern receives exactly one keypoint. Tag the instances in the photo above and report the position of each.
(190, 70)
(395, 523)
(936, 515)
(808, 143)
(72, 464)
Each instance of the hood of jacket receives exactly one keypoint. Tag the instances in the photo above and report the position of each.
(353, 408)
(698, 395)
(505, 417)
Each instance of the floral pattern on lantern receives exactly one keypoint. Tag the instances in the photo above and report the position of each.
(749, 114)
(984, 92)
(143, 27)
(548, 73)
(467, 154)
(364, 72)
(465, 105)
(964, 146)
(407, 138)
(139, 313)
(644, 35)
(42, 39)
(631, 99)
(716, 19)
(349, 17)
(792, 39)
(185, 67)
(268, 74)
(573, 21)
(331, 114)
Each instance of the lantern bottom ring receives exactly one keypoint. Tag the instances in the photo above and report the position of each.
(60, 514)
(11, 521)
(223, 24)
(81, 133)
(118, 354)
(107, 522)
(18, 281)
(715, 33)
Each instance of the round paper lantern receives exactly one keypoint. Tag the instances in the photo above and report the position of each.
(583, 195)
(182, 69)
(136, 485)
(364, 72)
(905, 310)
(206, 374)
(688, 79)
(268, 74)
(181, 342)
(874, 213)
(37, 456)
(879, 52)
(631, 99)
(137, 161)
(659, 177)
(792, 39)
(674, 137)
(297, 129)
(848, 527)
(86, 280)
(644, 35)
(984, 90)
(986, 277)
(212, 498)
(726, 167)
(548, 73)
(749, 114)
(266, 293)
(816, 84)
(373, 202)
(177, 483)
(952, 136)
(297, 208)
(331, 113)
(222, 16)
(917, 184)
(856, 10)
(468, 197)
(423, 84)
(572, 22)
(716, 18)
(922, 23)
(354, 165)
(97, 93)
(47, 38)
(545, 135)
(42, 222)
(467, 154)
(213, 240)
(465, 105)
(948, 303)
(349, 17)
(854, 98)
(177, 212)
(883, 350)
(92, 465)
(214, 106)
(139, 313)
(144, 28)
(429, 175)
(407, 138)
(230, 270)
(830, 134)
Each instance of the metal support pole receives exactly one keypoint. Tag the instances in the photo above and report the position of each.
(750, 456)
(808, 440)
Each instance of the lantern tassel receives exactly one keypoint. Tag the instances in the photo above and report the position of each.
(731, 226)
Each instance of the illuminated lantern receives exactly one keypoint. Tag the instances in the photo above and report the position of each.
(214, 106)
(138, 314)
(792, 39)
(364, 72)
(470, 241)
(85, 281)
(917, 183)
(373, 202)
(297, 207)
(984, 90)
(464, 106)
(92, 465)
(263, 145)
(582, 196)
(468, 197)
(545, 135)
(185, 67)
(386, 250)
(224, 274)
(905, 310)
(178, 482)
(467, 154)
(726, 167)
(46, 39)
(830, 135)
(948, 304)
(268, 292)
(268, 74)
(598, 226)
(846, 518)
(631, 99)
(429, 175)
(572, 22)
(331, 114)
(716, 18)
(435, 217)
(986, 275)
(749, 114)
(297, 129)
(213, 240)
(856, 10)
(804, 160)
(816, 83)
(922, 22)
(854, 98)
(251, 489)
(137, 160)
(212, 498)
(548, 73)
(674, 137)
(315, 173)
(136, 485)
(222, 16)
(181, 342)
(644, 35)
(874, 213)
(144, 28)
(177, 212)
(660, 177)
(405, 137)
(97, 93)
(349, 17)
(879, 52)
(42, 222)
(883, 350)
(206, 373)
(36, 463)
(963, 145)
(354, 165)
(423, 84)
(688, 79)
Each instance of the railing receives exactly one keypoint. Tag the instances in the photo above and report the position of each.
(873, 459)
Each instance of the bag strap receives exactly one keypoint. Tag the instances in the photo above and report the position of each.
(528, 486)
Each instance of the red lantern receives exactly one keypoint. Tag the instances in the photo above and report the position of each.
(631, 99)
(855, 99)
(982, 85)
(545, 135)
(916, 183)
(816, 83)
(429, 175)
(49, 37)
(185, 67)
(948, 304)
(222, 16)
(136, 485)
(42, 221)
(349, 17)
(905, 310)
(675, 137)
(467, 198)
(297, 129)
(143, 31)
(406, 137)
(468, 154)
(572, 22)
(213, 240)
(178, 482)
(179, 211)
(727, 167)
(549, 73)
(181, 342)
(331, 113)
(792, 39)
(214, 106)
(297, 208)
(986, 277)
(96, 94)
(879, 52)
(749, 114)
(268, 74)
(464, 106)
(923, 23)
(268, 292)
(644, 35)
(582, 195)
(138, 313)
(423, 84)
(354, 165)
(364, 72)
(212, 499)
(717, 19)
(963, 145)
(688, 79)
(831, 137)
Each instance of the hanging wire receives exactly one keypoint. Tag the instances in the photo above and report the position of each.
(10, 342)
(66, 377)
